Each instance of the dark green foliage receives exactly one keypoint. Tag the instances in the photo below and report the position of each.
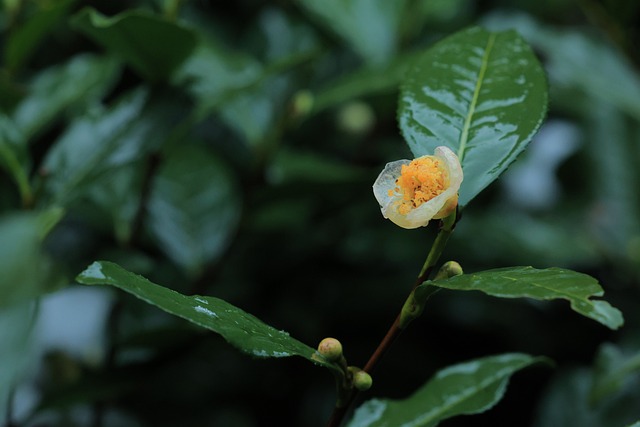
(227, 149)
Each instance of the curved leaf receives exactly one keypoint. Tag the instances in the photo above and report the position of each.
(151, 45)
(240, 329)
(467, 388)
(547, 284)
(482, 94)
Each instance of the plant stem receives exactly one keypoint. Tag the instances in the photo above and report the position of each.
(446, 228)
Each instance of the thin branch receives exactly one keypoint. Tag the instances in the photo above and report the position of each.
(446, 228)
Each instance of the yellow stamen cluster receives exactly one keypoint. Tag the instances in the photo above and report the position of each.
(419, 181)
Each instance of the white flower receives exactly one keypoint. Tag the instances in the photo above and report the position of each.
(413, 192)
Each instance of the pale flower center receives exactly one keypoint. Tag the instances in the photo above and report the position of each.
(419, 181)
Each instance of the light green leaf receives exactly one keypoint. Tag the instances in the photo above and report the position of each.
(23, 41)
(547, 284)
(636, 424)
(194, 207)
(75, 85)
(240, 329)
(482, 94)
(467, 388)
(371, 27)
(151, 45)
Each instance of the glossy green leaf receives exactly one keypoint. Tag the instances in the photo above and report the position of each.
(151, 45)
(371, 27)
(75, 85)
(240, 329)
(23, 41)
(482, 94)
(467, 388)
(194, 207)
(546, 284)
(636, 424)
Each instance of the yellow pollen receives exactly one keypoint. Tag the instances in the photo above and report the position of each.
(419, 181)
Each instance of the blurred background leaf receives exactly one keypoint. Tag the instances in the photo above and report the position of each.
(151, 45)
(69, 87)
(194, 207)
(24, 40)
(262, 126)
(370, 27)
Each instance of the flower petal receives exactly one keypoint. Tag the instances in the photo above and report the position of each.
(440, 206)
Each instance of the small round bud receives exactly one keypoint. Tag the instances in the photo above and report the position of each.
(356, 118)
(302, 103)
(448, 269)
(330, 348)
(361, 380)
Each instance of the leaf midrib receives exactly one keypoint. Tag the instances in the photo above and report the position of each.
(483, 386)
(564, 294)
(464, 136)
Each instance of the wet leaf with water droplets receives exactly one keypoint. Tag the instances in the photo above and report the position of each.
(482, 94)
(467, 388)
(546, 284)
(239, 328)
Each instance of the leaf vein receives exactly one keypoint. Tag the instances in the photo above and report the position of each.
(476, 94)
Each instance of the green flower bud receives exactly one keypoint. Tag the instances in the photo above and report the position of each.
(302, 103)
(448, 269)
(361, 380)
(356, 118)
(331, 349)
